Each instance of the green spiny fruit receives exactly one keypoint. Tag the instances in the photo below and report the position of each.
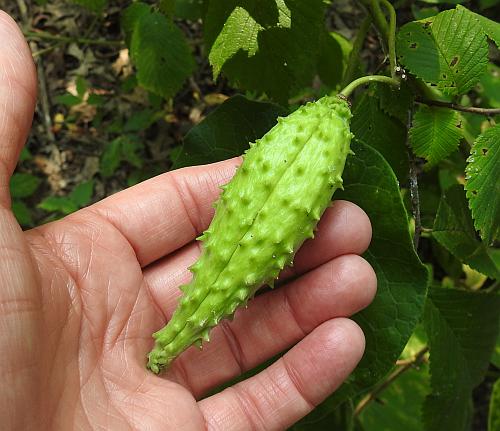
(269, 208)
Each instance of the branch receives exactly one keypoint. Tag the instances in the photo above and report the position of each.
(413, 183)
(461, 108)
(30, 34)
(419, 357)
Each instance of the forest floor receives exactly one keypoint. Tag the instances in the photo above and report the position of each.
(96, 132)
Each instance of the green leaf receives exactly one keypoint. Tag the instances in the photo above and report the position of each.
(68, 99)
(140, 120)
(58, 204)
(327, 417)
(483, 184)
(399, 406)
(95, 100)
(390, 320)
(227, 131)
(394, 102)
(423, 12)
(332, 60)
(167, 7)
(81, 86)
(96, 6)
(462, 327)
(402, 279)
(25, 155)
(130, 17)
(123, 148)
(189, 9)
(454, 230)
(435, 133)
(22, 213)
(110, 158)
(495, 358)
(160, 52)
(491, 28)
(494, 410)
(269, 47)
(449, 50)
(490, 83)
(386, 134)
(82, 193)
(23, 185)
(129, 151)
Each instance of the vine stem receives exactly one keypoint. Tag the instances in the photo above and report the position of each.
(419, 357)
(352, 63)
(347, 91)
(379, 20)
(392, 36)
(461, 108)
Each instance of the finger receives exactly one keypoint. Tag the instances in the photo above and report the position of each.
(343, 229)
(276, 320)
(290, 388)
(17, 99)
(164, 213)
(20, 299)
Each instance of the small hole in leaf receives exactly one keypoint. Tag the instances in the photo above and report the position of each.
(484, 151)
(454, 61)
(413, 45)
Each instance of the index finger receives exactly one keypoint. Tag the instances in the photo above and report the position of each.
(162, 214)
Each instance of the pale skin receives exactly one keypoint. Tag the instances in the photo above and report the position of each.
(80, 298)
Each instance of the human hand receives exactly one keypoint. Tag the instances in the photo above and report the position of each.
(80, 298)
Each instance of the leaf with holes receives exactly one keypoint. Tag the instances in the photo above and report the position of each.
(483, 184)
(435, 133)
(491, 28)
(269, 46)
(448, 50)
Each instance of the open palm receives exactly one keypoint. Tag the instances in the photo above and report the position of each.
(79, 299)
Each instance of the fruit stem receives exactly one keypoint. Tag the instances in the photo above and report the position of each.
(346, 92)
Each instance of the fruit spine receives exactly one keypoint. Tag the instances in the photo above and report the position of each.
(265, 213)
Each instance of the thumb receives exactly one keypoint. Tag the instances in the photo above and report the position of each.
(17, 99)
(20, 298)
